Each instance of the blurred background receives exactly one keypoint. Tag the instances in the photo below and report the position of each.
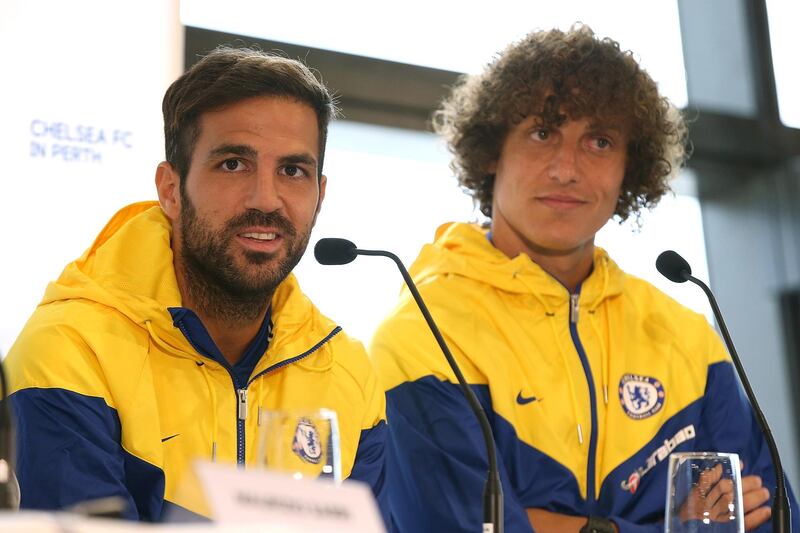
(81, 135)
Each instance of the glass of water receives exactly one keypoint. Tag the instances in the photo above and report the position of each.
(303, 444)
(704, 493)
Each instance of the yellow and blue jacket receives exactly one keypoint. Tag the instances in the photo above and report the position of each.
(587, 393)
(117, 389)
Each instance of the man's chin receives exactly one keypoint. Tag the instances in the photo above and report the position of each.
(260, 259)
(262, 277)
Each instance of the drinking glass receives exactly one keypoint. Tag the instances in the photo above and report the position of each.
(704, 493)
(304, 444)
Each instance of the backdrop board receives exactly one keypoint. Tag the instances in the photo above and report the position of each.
(81, 130)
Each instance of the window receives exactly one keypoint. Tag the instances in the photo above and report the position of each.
(451, 35)
(783, 16)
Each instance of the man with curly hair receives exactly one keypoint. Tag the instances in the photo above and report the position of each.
(590, 376)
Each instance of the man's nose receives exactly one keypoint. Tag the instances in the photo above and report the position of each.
(264, 193)
(564, 163)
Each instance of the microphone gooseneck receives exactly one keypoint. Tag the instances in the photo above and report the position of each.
(337, 252)
(675, 268)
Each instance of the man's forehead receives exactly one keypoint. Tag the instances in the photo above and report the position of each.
(599, 122)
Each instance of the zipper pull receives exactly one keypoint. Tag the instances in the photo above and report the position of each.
(573, 308)
(242, 393)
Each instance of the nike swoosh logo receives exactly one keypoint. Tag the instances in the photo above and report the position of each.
(165, 439)
(523, 401)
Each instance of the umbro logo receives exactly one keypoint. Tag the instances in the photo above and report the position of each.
(522, 400)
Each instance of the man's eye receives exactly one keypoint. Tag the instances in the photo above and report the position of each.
(541, 134)
(602, 142)
(293, 171)
(232, 165)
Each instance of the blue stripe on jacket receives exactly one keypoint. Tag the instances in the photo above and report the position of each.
(370, 467)
(68, 451)
(436, 460)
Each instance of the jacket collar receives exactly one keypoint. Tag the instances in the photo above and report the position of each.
(465, 250)
(129, 268)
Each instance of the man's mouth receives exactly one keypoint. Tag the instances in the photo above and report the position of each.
(260, 236)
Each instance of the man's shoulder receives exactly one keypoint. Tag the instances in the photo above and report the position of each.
(349, 353)
(663, 319)
(61, 343)
(658, 305)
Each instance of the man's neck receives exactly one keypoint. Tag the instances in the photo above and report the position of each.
(232, 323)
(569, 267)
(231, 339)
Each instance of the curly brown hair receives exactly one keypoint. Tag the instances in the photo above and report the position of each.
(557, 76)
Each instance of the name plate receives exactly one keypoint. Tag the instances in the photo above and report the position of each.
(258, 496)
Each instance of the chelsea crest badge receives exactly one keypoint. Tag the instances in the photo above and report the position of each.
(306, 443)
(640, 396)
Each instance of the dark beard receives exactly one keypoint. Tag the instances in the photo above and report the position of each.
(216, 284)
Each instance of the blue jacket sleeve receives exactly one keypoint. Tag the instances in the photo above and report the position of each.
(370, 465)
(437, 461)
(729, 425)
(68, 450)
(625, 526)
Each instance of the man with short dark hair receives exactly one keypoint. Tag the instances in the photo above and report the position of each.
(589, 376)
(166, 339)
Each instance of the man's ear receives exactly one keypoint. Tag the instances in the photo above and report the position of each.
(323, 183)
(491, 168)
(168, 184)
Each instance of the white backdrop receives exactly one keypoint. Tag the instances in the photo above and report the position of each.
(80, 133)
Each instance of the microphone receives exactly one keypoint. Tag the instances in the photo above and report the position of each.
(340, 252)
(335, 251)
(675, 268)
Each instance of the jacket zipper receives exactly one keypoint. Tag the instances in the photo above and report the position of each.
(241, 416)
(241, 393)
(591, 459)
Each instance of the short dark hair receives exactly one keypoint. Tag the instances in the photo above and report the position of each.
(226, 76)
(557, 75)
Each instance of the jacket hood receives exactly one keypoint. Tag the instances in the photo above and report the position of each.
(129, 268)
(465, 250)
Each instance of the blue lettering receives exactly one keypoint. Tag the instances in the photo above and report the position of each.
(69, 153)
(81, 133)
(123, 138)
(38, 149)
(38, 128)
(58, 130)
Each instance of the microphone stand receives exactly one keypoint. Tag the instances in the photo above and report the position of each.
(492, 491)
(675, 268)
(780, 503)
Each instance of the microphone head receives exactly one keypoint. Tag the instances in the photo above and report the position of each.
(331, 251)
(673, 267)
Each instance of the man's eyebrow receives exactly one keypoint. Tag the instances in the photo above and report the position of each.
(233, 149)
(301, 158)
(610, 127)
